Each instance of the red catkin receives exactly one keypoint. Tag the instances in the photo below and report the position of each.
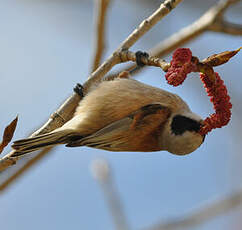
(181, 65)
(221, 102)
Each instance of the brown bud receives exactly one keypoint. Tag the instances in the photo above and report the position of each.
(8, 134)
(221, 58)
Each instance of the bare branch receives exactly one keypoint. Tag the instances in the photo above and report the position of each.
(223, 26)
(102, 6)
(65, 112)
(212, 20)
(148, 23)
(202, 215)
(150, 61)
(143, 28)
(20, 172)
(57, 119)
(101, 171)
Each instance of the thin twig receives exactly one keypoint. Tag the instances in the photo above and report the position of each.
(126, 56)
(27, 165)
(202, 215)
(101, 171)
(64, 113)
(143, 28)
(201, 25)
(223, 26)
(101, 6)
(212, 20)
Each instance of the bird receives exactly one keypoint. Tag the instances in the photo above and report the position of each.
(123, 115)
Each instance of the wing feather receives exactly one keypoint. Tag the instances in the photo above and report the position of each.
(128, 133)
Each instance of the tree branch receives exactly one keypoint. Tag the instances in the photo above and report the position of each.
(101, 171)
(102, 6)
(65, 112)
(223, 26)
(27, 165)
(126, 56)
(212, 20)
(202, 215)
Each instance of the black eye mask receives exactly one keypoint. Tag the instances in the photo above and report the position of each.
(180, 124)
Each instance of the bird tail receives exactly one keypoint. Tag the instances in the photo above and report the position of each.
(34, 143)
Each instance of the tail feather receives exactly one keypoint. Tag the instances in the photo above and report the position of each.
(34, 143)
(19, 144)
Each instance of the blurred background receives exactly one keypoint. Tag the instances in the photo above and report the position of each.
(46, 47)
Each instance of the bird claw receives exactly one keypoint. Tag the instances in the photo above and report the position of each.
(139, 55)
(79, 89)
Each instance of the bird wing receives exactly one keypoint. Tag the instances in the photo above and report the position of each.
(127, 134)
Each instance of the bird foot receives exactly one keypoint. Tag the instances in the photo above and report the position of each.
(79, 89)
(139, 55)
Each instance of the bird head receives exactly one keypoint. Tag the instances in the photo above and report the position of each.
(181, 135)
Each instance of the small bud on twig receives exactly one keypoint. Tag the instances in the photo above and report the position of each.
(8, 134)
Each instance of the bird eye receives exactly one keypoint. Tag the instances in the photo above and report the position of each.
(180, 124)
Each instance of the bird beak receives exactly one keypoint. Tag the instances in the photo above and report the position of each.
(202, 122)
(204, 137)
